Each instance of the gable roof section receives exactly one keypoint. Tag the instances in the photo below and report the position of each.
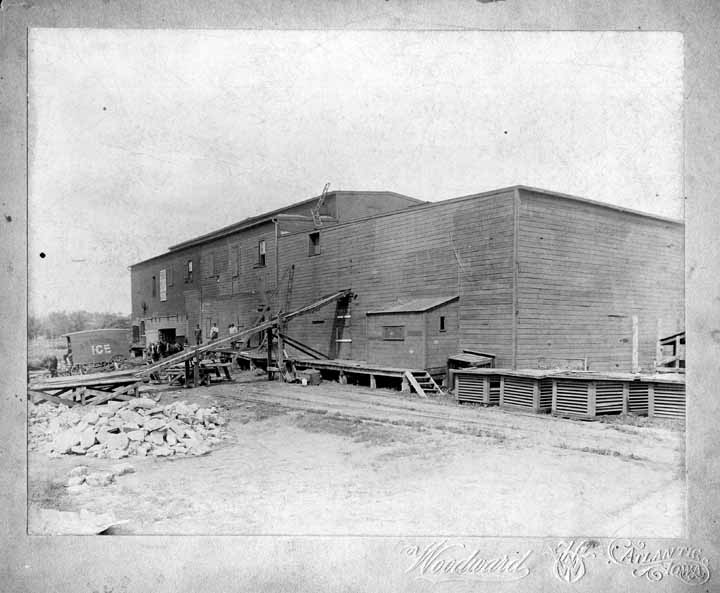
(268, 216)
(419, 305)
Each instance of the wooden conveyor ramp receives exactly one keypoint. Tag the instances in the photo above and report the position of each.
(211, 346)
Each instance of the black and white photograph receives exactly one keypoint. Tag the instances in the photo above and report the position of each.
(355, 282)
(362, 297)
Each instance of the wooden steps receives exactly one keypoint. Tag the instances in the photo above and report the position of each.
(422, 383)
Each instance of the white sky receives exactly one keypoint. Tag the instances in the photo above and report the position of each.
(142, 139)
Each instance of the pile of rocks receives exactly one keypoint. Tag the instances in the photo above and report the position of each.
(138, 427)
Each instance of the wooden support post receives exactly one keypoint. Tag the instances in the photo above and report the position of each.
(486, 390)
(373, 382)
(187, 374)
(196, 371)
(404, 386)
(269, 341)
(536, 396)
(342, 379)
(635, 344)
(502, 390)
(553, 407)
(83, 392)
(592, 399)
(280, 353)
(626, 398)
(651, 400)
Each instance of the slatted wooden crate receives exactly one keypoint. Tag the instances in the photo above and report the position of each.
(546, 394)
(667, 400)
(638, 398)
(495, 391)
(571, 398)
(608, 397)
(471, 389)
(517, 392)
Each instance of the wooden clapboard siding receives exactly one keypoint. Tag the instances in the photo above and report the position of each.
(413, 253)
(584, 271)
(440, 345)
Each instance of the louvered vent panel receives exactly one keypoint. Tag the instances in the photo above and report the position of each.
(669, 400)
(638, 398)
(572, 398)
(470, 388)
(545, 394)
(518, 392)
(608, 397)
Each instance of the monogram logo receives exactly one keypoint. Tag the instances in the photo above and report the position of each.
(569, 565)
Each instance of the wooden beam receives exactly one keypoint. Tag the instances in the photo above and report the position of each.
(244, 333)
(269, 340)
(413, 381)
(52, 398)
(116, 392)
(304, 348)
(516, 274)
(635, 344)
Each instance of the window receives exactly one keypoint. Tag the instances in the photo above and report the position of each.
(189, 272)
(154, 286)
(314, 244)
(209, 265)
(163, 285)
(235, 259)
(442, 323)
(261, 252)
(394, 332)
(170, 276)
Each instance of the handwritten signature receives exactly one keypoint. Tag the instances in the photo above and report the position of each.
(441, 561)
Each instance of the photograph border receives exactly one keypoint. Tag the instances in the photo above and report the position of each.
(367, 563)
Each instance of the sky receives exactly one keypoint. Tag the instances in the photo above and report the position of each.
(141, 139)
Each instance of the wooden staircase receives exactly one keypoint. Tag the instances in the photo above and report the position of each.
(422, 383)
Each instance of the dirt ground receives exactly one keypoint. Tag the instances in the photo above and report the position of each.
(339, 459)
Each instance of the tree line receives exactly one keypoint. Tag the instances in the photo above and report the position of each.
(56, 323)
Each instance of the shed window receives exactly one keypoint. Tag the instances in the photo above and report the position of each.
(442, 323)
(189, 272)
(261, 252)
(170, 276)
(394, 332)
(154, 286)
(314, 244)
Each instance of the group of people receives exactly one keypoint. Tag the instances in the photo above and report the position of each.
(214, 333)
(157, 350)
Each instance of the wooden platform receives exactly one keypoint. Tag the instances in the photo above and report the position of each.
(93, 389)
(573, 394)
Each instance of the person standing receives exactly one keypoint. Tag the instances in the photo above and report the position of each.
(198, 335)
(214, 332)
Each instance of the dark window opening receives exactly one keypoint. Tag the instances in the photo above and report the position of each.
(261, 253)
(154, 286)
(189, 272)
(394, 332)
(314, 244)
(442, 323)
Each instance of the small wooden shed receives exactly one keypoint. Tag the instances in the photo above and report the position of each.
(417, 334)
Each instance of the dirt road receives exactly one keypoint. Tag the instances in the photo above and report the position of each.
(337, 459)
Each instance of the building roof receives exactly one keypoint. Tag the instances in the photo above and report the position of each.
(419, 305)
(96, 331)
(421, 205)
(268, 216)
